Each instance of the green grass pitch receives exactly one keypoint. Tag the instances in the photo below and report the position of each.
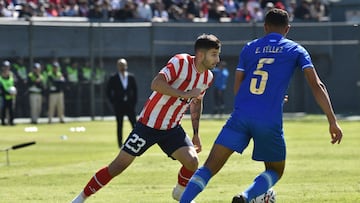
(55, 169)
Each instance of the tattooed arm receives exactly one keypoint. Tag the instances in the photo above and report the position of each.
(196, 110)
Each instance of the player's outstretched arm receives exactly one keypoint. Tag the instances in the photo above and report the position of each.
(323, 99)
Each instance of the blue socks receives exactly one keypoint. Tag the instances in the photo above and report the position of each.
(201, 177)
(196, 184)
(261, 184)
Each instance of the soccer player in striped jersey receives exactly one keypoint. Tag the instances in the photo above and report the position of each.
(179, 86)
(261, 79)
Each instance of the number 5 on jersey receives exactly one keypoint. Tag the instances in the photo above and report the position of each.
(256, 88)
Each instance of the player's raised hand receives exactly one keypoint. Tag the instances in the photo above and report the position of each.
(336, 133)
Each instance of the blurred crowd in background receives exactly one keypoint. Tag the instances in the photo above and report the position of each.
(44, 89)
(165, 10)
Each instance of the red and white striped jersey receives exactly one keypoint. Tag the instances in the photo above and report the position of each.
(165, 112)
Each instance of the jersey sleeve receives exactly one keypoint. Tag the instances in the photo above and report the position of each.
(304, 59)
(171, 70)
(241, 65)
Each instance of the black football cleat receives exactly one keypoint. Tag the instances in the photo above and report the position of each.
(239, 199)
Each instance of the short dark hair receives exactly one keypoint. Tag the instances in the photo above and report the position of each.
(207, 41)
(277, 17)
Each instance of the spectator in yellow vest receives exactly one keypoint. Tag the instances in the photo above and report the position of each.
(8, 90)
(86, 74)
(99, 77)
(72, 90)
(20, 71)
(36, 89)
(56, 83)
(72, 72)
(20, 77)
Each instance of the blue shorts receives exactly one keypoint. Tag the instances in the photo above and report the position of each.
(143, 137)
(268, 138)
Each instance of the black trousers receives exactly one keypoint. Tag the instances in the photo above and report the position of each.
(120, 112)
(7, 107)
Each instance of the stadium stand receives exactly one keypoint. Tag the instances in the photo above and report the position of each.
(164, 10)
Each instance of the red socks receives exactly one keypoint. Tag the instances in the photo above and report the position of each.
(99, 180)
(184, 176)
(102, 177)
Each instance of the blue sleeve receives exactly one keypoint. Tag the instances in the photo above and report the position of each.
(304, 59)
(241, 65)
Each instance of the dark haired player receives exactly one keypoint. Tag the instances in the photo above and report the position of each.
(262, 77)
(180, 85)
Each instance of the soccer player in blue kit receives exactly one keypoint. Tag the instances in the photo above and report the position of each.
(261, 79)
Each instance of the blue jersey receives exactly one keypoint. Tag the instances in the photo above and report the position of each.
(268, 64)
(221, 76)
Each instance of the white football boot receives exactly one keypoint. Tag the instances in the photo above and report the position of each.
(178, 191)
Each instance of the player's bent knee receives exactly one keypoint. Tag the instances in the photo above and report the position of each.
(278, 167)
(192, 164)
